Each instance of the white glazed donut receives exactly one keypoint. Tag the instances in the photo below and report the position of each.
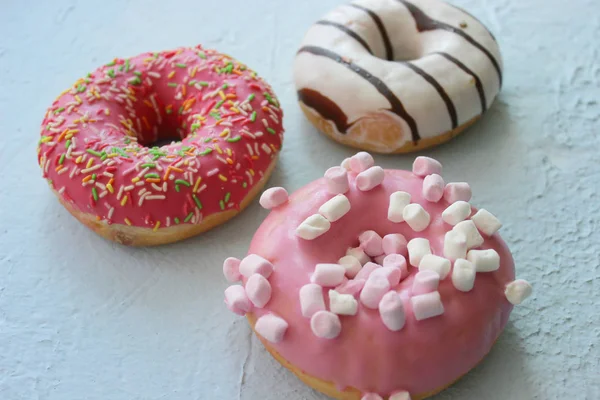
(395, 76)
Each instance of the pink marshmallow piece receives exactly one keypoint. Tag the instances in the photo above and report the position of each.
(271, 327)
(400, 395)
(423, 166)
(311, 299)
(255, 264)
(433, 188)
(392, 274)
(326, 325)
(425, 281)
(375, 287)
(391, 310)
(361, 161)
(371, 243)
(336, 179)
(236, 300)
(371, 396)
(328, 275)
(427, 305)
(231, 269)
(366, 270)
(397, 261)
(370, 178)
(258, 290)
(273, 197)
(455, 191)
(394, 243)
(353, 287)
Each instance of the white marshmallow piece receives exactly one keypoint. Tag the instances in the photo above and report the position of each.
(469, 230)
(392, 274)
(335, 208)
(371, 243)
(231, 269)
(401, 395)
(255, 264)
(236, 300)
(433, 188)
(346, 164)
(366, 270)
(311, 299)
(313, 227)
(463, 275)
(361, 161)
(375, 287)
(437, 264)
(423, 166)
(416, 217)
(398, 200)
(425, 281)
(369, 179)
(427, 305)
(328, 275)
(342, 304)
(336, 179)
(456, 212)
(391, 311)
(484, 260)
(371, 396)
(326, 325)
(397, 261)
(359, 254)
(417, 249)
(455, 191)
(394, 243)
(351, 264)
(455, 245)
(271, 327)
(517, 291)
(258, 290)
(486, 222)
(273, 197)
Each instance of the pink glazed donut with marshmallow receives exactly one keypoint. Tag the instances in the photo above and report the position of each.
(376, 284)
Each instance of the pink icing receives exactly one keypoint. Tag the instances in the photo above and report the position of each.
(422, 356)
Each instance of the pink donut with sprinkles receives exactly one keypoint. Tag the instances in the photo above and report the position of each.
(161, 146)
(376, 284)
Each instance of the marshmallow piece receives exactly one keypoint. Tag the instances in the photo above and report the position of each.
(370, 178)
(371, 243)
(455, 191)
(236, 300)
(398, 200)
(455, 245)
(351, 264)
(353, 287)
(313, 227)
(346, 164)
(463, 275)
(396, 261)
(391, 310)
(361, 161)
(328, 274)
(484, 260)
(258, 290)
(416, 217)
(486, 222)
(394, 243)
(273, 197)
(342, 304)
(423, 166)
(456, 212)
(375, 287)
(433, 188)
(358, 253)
(417, 248)
(468, 228)
(379, 259)
(271, 327)
(425, 281)
(366, 271)
(335, 208)
(311, 299)
(427, 305)
(255, 264)
(231, 269)
(326, 325)
(401, 395)
(336, 179)
(517, 291)
(371, 396)
(392, 274)
(435, 263)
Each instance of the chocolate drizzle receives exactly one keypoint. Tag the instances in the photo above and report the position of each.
(389, 52)
(478, 84)
(325, 107)
(396, 105)
(348, 32)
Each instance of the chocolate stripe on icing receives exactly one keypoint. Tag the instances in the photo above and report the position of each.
(325, 107)
(348, 32)
(478, 84)
(389, 52)
(431, 80)
(425, 23)
(397, 107)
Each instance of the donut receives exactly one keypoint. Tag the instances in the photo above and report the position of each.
(161, 146)
(396, 76)
(376, 284)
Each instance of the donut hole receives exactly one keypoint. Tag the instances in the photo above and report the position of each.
(161, 134)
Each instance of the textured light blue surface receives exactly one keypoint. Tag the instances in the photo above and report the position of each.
(82, 318)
